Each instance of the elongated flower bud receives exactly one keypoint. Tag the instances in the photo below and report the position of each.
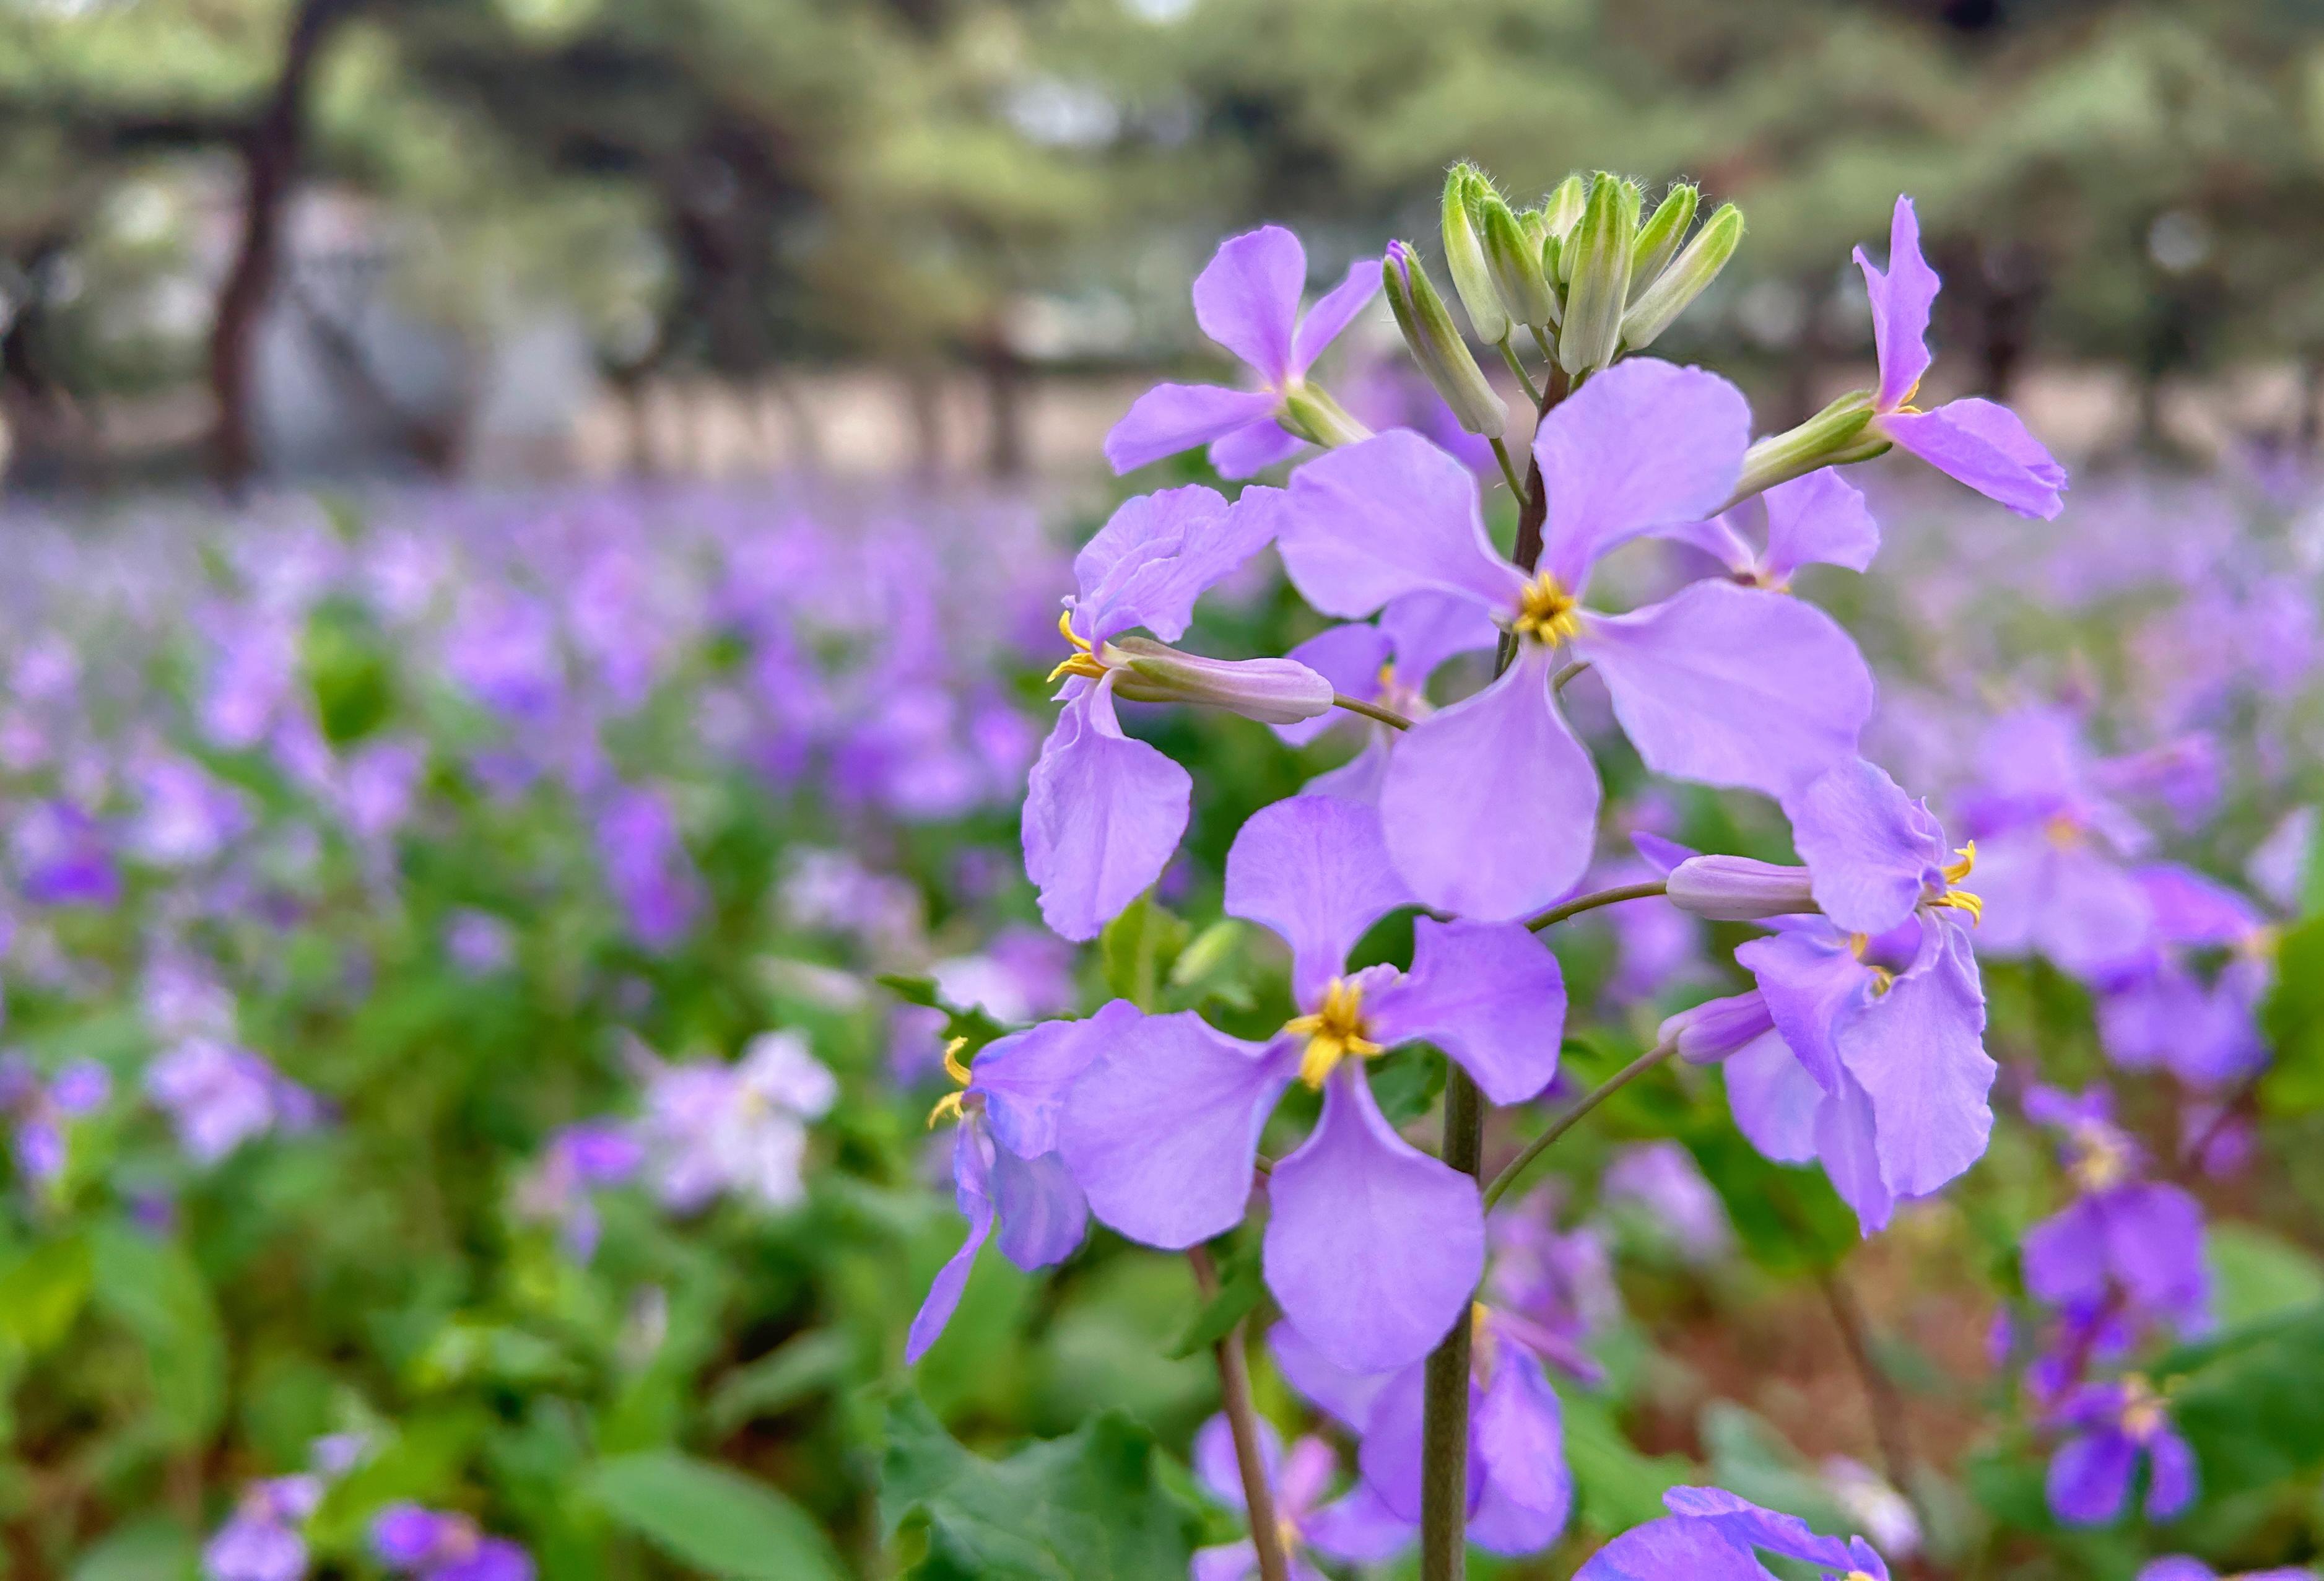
(1516, 267)
(1464, 254)
(1832, 437)
(1437, 347)
(1671, 292)
(1601, 285)
(1561, 210)
(1737, 888)
(1313, 414)
(1273, 691)
(1659, 237)
(1712, 1031)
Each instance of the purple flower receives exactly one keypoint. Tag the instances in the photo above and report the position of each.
(2142, 1238)
(1817, 520)
(2180, 1567)
(1877, 1065)
(261, 1540)
(1972, 440)
(580, 1160)
(186, 816)
(1491, 805)
(1663, 1179)
(714, 1130)
(43, 1111)
(1388, 664)
(1103, 811)
(1372, 1247)
(437, 1547)
(1553, 1287)
(1006, 1165)
(219, 1095)
(646, 866)
(62, 857)
(2110, 1428)
(1247, 301)
(1710, 1535)
(1354, 1528)
(2158, 1010)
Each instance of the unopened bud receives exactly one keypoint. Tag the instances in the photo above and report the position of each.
(1561, 211)
(1437, 347)
(1712, 1031)
(1273, 691)
(1833, 436)
(1464, 254)
(1312, 414)
(1516, 267)
(1677, 286)
(1737, 888)
(1592, 329)
(1660, 235)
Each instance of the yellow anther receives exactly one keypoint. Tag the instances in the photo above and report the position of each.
(2063, 831)
(2101, 1160)
(1882, 977)
(1334, 1033)
(1548, 612)
(1083, 660)
(1958, 899)
(1956, 871)
(2141, 1408)
(953, 1066)
(948, 1107)
(1065, 630)
(952, 1105)
(2262, 942)
(1482, 1354)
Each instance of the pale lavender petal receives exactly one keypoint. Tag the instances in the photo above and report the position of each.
(1747, 1524)
(2094, 918)
(1425, 629)
(1162, 1131)
(2064, 1257)
(1359, 779)
(1350, 658)
(1373, 1248)
(2090, 1476)
(1342, 1393)
(1315, 870)
(1337, 309)
(1042, 1213)
(2014, 877)
(1102, 814)
(1252, 449)
(1717, 1029)
(1307, 1471)
(1231, 1561)
(1518, 1433)
(1812, 982)
(1918, 1050)
(1247, 298)
(1358, 1528)
(1848, 1146)
(1216, 1466)
(969, 1177)
(2170, 1475)
(2180, 1567)
(1820, 518)
(1160, 552)
(1871, 850)
(1390, 1453)
(2155, 1240)
(2196, 910)
(1492, 806)
(1718, 536)
(1901, 298)
(1773, 1099)
(1490, 994)
(1985, 445)
(1390, 515)
(1171, 418)
(1645, 445)
(1024, 1077)
(1667, 1549)
(1733, 686)
(1498, 1524)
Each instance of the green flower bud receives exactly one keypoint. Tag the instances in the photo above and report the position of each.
(1833, 436)
(1601, 246)
(1561, 210)
(1659, 237)
(1678, 286)
(1437, 347)
(1516, 267)
(1312, 414)
(1464, 254)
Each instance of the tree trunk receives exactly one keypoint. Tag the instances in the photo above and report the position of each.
(271, 148)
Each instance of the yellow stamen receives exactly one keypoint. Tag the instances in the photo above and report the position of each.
(2141, 1408)
(2063, 831)
(1882, 977)
(2100, 1161)
(1083, 660)
(1065, 630)
(1955, 871)
(1334, 1033)
(1548, 612)
(1481, 1344)
(953, 1066)
(952, 1105)
(948, 1108)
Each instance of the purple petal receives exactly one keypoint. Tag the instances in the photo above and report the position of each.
(1338, 308)
(1360, 777)
(1812, 982)
(1228, 1561)
(1666, 1550)
(1901, 298)
(1919, 1052)
(1171, 418)
(2170, 1475)
(1350, 657)
(405, 1535)
(1645, 445)
(1217, 1467)
(1848, 1146)
(2196, 911)
(1390, 1453)
(1373, 1248)
(1341, 1393)
(1102, 814)
(1981, 444)
(970, 1176)
(1774, 1100)
(1747, 1524)
(1024, 1077)
(1425, 629)
(1490, 994)
(1252, 449)
(1390, 515)
(2154, 1238)
(1157, 553)
(1733, 686)
(1247, 298)
(1492, 806)
(2090, 1476)
(1871, 850)
(1718, 536)
(1358, 1528)
(1819, 520)
(2094, 918)
(2180, 1567)
(1315, 870)
(2064, 1257)
(1162, 1131)
(1518, 1433)
(1043, 1215)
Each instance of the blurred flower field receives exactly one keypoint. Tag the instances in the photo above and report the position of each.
(479, 967)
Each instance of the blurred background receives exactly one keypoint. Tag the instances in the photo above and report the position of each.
(548, 238)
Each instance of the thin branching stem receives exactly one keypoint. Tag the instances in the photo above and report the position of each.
(1243, 1418)
(1591, 902)
(1509, 356)
(1370, 710)
(1573, 1116)
(1509, 469)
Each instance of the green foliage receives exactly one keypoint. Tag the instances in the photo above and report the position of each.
(713, 1521)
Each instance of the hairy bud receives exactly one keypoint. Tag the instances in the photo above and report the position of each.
(1464, 252)
(1670, 293)
(1516, 267)
(1601, 246)
(1437, 347)
(1660, 235)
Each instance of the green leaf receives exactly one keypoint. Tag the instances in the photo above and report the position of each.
(1138, 947)
(2260, 1276)
(1240, 1288)
(2294, 1017)
(154, 1547)
(43, 1291)
(2252, 1407)
(153, 1288)
(967, 1023)
(712, 1519)
(800, 1367)
(1086, 1507)
(1617, 1487)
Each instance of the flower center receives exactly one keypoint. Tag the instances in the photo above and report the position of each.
(2064, 831)
(1083, 660)
(1547, 612)
(2100, 1160)
(952, 1105)
(2141, 1408)
(1334, 1032)
(1960, 899)
(1882, 977)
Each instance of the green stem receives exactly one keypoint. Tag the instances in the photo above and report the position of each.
(1571, 1117)
(1370, 710)
(1445, 1440)
(1591, 902)
(1243, 1418)
(1509, 356)
(1509, 469)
